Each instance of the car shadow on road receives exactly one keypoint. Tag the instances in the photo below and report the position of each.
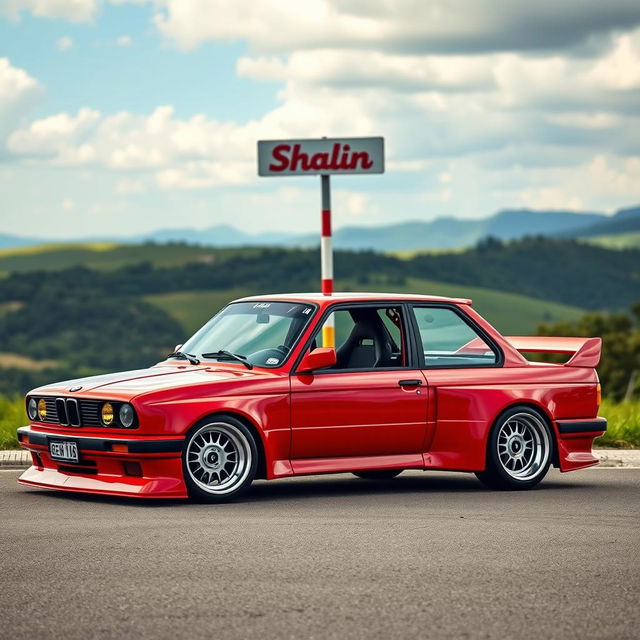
(344, 486)
(308, 488)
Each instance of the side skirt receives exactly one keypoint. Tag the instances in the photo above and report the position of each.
(313, 466)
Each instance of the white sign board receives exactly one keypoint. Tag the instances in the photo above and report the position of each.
(321, 156)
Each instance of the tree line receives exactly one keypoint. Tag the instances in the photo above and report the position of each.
(564, 271)
(619, 367)
(89, 321)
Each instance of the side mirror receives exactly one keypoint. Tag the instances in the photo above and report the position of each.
(177, 348)
(319, 358)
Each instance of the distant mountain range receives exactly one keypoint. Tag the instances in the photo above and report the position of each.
(441, 233)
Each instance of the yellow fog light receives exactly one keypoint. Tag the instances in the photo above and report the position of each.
(42, 409)
(107, 413)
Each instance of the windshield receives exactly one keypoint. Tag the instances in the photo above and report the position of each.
(260, 333)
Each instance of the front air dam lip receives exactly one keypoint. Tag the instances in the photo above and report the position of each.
(89, 443)
(161, 462)
(167, 486)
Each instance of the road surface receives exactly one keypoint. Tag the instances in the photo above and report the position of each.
(428, 555)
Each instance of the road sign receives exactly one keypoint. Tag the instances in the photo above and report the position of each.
(320, 156)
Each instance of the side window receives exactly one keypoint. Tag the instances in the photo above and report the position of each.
(365, 337)
(447, 340)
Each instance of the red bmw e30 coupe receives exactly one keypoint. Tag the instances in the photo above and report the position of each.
(414, 382)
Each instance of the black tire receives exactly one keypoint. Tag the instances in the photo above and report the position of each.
(519, 450)
(219, 459)
(383, 474)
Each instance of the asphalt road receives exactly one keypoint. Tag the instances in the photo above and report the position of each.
(424, 556)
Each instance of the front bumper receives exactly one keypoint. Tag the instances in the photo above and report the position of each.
(121, 466)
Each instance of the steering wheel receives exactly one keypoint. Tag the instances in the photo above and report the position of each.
(263, 356)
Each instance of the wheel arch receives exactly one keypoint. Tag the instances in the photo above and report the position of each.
(540, 409)
(249, 424)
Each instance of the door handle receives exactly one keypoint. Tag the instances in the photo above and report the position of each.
(409, 383)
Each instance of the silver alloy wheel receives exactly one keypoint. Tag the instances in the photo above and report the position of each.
(523, 446)
(218, 458)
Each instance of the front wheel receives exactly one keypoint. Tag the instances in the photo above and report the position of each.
(219, 459)
(519, 450)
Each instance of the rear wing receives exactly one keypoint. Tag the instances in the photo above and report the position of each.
(586, 351)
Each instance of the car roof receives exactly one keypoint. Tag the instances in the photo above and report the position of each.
(351, 296)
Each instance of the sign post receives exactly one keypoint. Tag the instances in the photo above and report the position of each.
(322, 156)
(326, 259)
(326, 252)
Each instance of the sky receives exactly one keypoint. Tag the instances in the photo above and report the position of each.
(119, 117)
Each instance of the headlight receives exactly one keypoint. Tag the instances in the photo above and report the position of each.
(42, 409)
(107, 414)
(32, 408)
(126, 415)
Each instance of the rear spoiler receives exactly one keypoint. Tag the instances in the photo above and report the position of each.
(586, 351)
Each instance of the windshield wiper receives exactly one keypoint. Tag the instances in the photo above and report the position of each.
(223, 353)
(187, 356)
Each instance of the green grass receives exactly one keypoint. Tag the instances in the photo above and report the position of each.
(193, 308)
(107, 256)
(408, 254)
(629, 240)
(623, 430)
(12, 416)
(509, 313)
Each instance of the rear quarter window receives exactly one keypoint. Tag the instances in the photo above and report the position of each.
(449, 340)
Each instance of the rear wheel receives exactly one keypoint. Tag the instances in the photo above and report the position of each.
(383, 474)
(519, 450)
(219, 459)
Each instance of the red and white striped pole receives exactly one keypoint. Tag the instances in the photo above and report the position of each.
(326, 259)
(326, 256)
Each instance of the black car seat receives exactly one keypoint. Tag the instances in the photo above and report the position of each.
(368, 344)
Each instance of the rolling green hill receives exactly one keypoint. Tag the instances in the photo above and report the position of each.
(70, 311)
(193, 308)
(570, 272)
(109, 256)
(509, 313)
(630, 240)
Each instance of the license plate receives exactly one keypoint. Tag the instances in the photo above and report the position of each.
(66, 450)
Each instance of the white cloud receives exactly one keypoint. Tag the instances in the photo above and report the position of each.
(549, 199)
(64, 43)
(18, 93)
(597, 120)
(506, 80)
(601, 178)
(67, 204)
(355, 204)
(194, 153)
(72, 10)
(409, 26)
(620, 70)
(467, 128)
(124, 41)
(127, 187)
(343, 68)
(401, 26)
(60, 137)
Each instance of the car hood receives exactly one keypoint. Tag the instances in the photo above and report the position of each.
(127, 384)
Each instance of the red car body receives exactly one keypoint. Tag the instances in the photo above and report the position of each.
(312, 424)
